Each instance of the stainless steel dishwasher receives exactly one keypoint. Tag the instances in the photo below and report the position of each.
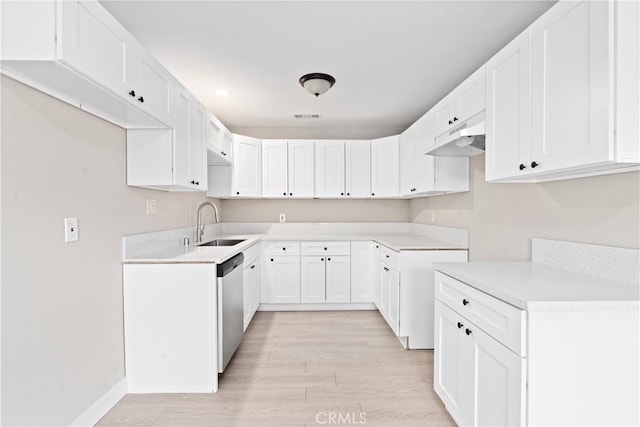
(230, 309)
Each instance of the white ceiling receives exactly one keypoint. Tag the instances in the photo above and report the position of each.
(392, 60)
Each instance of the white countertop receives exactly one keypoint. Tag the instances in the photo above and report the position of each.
(213, 254)
(539, 287)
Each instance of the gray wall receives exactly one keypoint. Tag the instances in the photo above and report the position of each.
(502, 218)
(316, 210)
(62, 338)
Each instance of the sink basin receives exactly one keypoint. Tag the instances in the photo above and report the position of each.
(222, 242)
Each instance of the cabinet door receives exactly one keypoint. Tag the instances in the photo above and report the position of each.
(91, 41)
(385, 278)
(226, 142)
(445, 113)
(385, 177)
(181, 137)
(154, 87)
(394, 301)
(450, 370)
(247, 282)
(407, 146)
(508, 114)
(255, 289)
(274, 169)
(215, 134)
(247, 167)
(471, 95)
(301, 169)
(312, 279)
(424, 165)
(283, 275)
(329, 164)
(499, 380)
(197, 144)
(358, 168)
(571, 85)
(362, 271)
(377, 276)
(338, 278)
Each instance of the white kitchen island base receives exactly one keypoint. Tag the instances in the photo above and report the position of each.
(170, 328)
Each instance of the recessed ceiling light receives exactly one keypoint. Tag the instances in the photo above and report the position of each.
(222, 92)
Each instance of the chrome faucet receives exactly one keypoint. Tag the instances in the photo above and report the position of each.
(200, 227)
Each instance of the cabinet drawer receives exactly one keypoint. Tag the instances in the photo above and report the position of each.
(502, 321)
(282, 248)
(325, 248)
(251, 254)
(389, 257)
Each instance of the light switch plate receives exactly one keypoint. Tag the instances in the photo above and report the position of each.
(283, 218)
(70, 230)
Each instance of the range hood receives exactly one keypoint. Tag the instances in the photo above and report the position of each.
(465, 140)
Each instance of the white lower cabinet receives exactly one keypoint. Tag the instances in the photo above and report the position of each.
(325, 272)
(404, 292)
(363, 271)
(280, 282)
(559, 362)
(251, 283)
(480, 381)
(170, 328)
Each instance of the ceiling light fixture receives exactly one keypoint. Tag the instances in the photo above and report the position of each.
(222, 92)
(317, 83)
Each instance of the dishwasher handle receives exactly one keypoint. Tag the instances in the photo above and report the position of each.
(229, 265)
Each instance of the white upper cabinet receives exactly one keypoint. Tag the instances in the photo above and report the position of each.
(358, 168)
(385, 178)
(171, 159)
(247, 167)
(94, 43)
(287, 169)
(584, 102)
(330, 169)
(301, 169)
(77, 52)
(508, 114)
(274, 169)
(425, 175)
(407, 143)
(463, 102)
(220, 143)
(572, 44)
(153, 87)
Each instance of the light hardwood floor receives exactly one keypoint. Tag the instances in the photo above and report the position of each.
(299, 368)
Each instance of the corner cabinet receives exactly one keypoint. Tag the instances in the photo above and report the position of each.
(404, 292)
(171, 159)
(581, 61)
(243, 177)
(424, 175)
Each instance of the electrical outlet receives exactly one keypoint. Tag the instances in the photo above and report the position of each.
(70, 230)
(151, 207)
(283, 218)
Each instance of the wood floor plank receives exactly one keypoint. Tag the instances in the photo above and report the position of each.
(296, 369)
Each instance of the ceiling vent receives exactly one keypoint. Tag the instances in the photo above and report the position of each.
(306, 116)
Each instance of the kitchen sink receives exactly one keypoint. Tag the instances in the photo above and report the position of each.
(222, 242)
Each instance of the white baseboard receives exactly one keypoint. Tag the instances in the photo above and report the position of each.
(100, 407)
(318, 306)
